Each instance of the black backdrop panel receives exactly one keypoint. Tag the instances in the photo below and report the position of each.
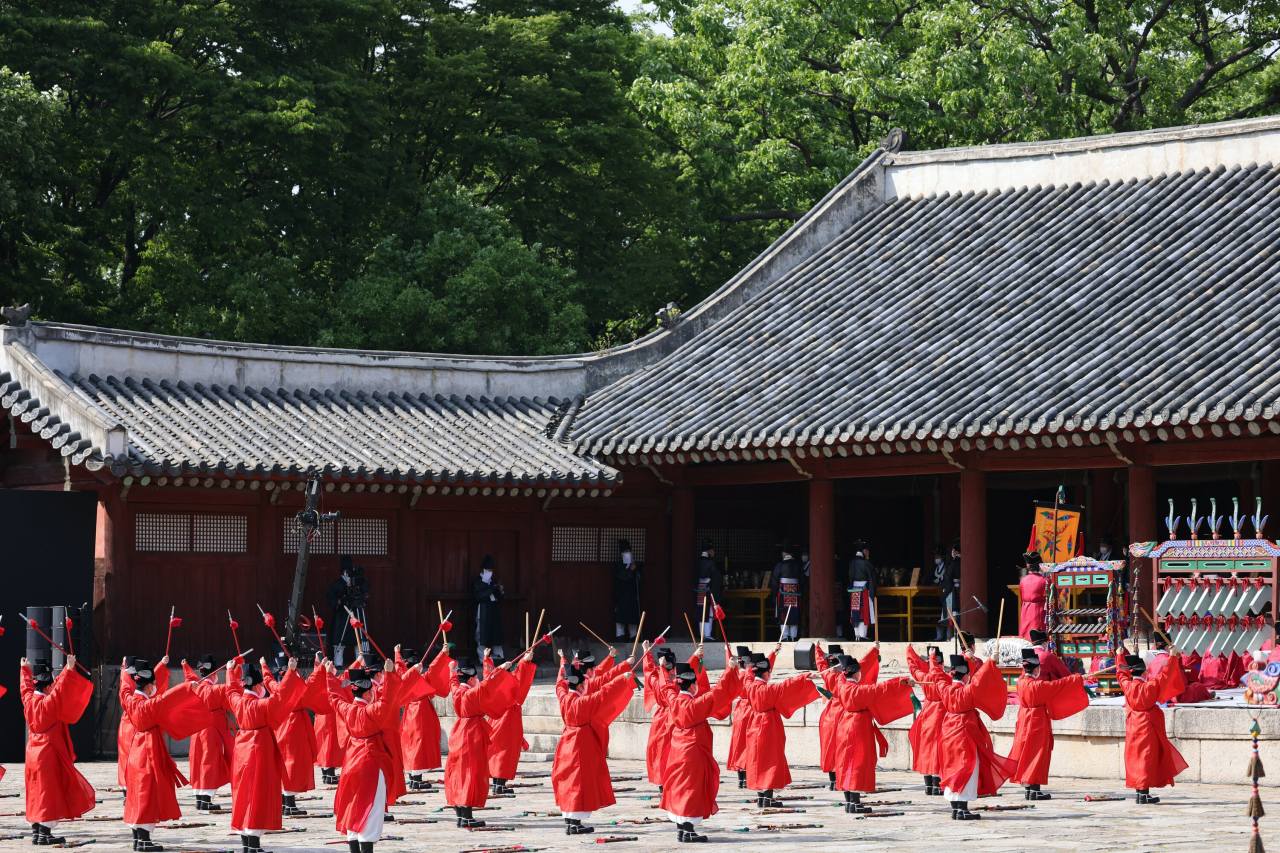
(48, 560)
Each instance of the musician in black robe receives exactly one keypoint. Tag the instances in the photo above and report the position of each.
(862, 591)
(710, 582)
(487, 594)
(786, 582)
(626, 593)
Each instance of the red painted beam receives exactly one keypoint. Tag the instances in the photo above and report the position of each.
(822, 549)
(973, 549)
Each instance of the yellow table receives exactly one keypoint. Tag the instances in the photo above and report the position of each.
(752, 603)
(908, 612)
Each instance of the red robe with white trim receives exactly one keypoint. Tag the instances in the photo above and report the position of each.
(256, 765)
(296, 736)
(466, 773)
(54, 788)
(1150, 760)
(965, 738)
(742, 721)
(655, 701)
(767, 767)
(367, 753)
(125, 730)
(692, 774)
(331, 737)
(828, 720)
(420, 725)
(209, 751)
(151, 775)
(1039, 703)
(925, 733)
(506, 731)
(579, 772)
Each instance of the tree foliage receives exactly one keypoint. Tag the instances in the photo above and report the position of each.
(520, 176)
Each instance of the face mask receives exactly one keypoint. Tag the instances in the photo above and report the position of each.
(486, 575)
(626, 558)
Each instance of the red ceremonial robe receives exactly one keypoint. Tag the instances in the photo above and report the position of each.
(466, 773)
(151, 776)
(599, 675)
(1150, 760)
(692, 774)
(295, 735)
(1040, 702)
(506, 731)
(965, 739)
(125, 731)
(579, 771)
(55, 789)
(391, 732)
(209, 751)
(741, 723)
(1051, 666)
(420, 726)
(925, 733)
(256, 764)
(331, 737)
(767, 767)
(1189, 691)
(861, 743)
(827, 720)
(655, 700)
(1032, 590)
(367, 753)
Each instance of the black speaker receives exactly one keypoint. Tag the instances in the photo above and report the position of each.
(38, 648)
(805, 656)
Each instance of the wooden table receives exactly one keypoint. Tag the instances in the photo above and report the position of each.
(753, 607)
(908, 612)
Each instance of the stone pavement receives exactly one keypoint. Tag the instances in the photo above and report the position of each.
(1192, 817)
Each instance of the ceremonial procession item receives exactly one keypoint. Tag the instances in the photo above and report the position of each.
(309, 522)
(1087, 611)
(1214, 596)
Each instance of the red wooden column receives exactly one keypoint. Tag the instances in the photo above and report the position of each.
(683, 550)
(1142, 521)
(822, 550)
(973, 549)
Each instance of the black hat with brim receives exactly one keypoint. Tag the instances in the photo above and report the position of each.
(685, 674)
(1037, 637)
(360, 679)
(934, 653)
(849, 664)
(759, 662)
(1030, 659)
(834, 650)
(664, 654)
(586, 662)
(41, 673)
(143, 672)
(206, 665)
(959, 663)
(250, 675)
(1135, 664)
(467, 669)
(573, 679)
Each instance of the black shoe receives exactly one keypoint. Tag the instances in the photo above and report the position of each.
(144, 844)
(1144, 798)
(366, 847)
(353, 846)
(1036, 794)
(742, 779)
(388, 817)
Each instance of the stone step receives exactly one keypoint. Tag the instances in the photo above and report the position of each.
(544, 743)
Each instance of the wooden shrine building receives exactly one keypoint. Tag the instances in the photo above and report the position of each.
(944, 337)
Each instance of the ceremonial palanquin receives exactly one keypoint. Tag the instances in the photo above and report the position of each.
(1216, 597)
(1087, 611)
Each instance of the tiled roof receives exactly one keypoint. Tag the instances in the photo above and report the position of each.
(1064, 308)
(169, 427)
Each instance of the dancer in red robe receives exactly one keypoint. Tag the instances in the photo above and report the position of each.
(506, 731)
(767, 767)
(864, 703)
(466, 773)
(360, 804)
(209, 753)
(125, 732)
(925, 733)
(396, 786)
(151, 776)
(55, 790)
(579, 771)
(420, 726)
(1032, 589)
(296, 737)
(1051, 666)
(331, 743)
(970, 766)
(659, 668)
(692, 775)
(1040, 702)
(742, 720)
(1150, 760)
(830, 716)
(256, 765)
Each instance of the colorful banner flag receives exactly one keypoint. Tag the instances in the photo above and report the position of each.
(1054, 531)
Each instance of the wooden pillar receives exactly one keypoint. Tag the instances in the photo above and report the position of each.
(683, 550)
(822, 549)
(1142, 522)
(973, 549)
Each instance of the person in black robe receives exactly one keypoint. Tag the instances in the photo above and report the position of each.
(710, 581)
(862, 590)
(626, 593)
(349, 591)
(487, 594)
(788, 599)
(944, 579)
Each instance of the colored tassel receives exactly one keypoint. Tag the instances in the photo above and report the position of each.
(1255, 844)
(1255, 770)
(1255, 807)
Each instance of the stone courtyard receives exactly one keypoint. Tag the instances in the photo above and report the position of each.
(1192, 817)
